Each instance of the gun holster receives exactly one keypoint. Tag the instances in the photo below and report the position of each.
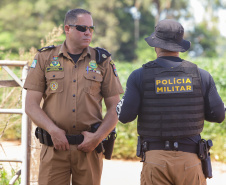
(204, 156)
(107, 145)
(142, 147)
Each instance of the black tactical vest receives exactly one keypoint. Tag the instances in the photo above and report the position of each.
(172, 102)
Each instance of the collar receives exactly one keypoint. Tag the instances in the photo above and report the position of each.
(171, 58)
(64, 51)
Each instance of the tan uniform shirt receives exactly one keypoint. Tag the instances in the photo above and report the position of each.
(72, 92)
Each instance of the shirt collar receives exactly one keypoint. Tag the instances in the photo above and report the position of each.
(64, 51)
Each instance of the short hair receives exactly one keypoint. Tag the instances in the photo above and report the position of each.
(71, 15)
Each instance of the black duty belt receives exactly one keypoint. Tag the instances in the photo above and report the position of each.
(45, 138)
(170, 145)
(75, 139)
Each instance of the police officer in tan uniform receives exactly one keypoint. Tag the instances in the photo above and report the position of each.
(172, 98)
(73, 78)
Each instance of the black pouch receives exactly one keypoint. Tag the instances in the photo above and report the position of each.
(47, 138)
(43, 136)
(39, 134)
(138, 147)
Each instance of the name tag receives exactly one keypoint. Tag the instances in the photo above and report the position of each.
(165, 85)
(54, 69)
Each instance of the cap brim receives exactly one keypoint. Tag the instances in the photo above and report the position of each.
(170, 45)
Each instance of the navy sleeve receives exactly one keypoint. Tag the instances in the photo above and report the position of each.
(128, 107)
(214, 107)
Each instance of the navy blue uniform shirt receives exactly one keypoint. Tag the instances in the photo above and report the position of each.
(128, 107)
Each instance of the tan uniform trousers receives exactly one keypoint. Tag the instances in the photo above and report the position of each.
(172, 168)
(58, 166)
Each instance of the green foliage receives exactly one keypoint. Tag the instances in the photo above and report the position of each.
(202, 46)
(30, 21)
(144, 52)
(5, 177)
(115, 26)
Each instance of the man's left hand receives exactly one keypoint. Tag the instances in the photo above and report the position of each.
(90, 142)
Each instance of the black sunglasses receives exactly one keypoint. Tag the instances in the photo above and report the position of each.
(83, 28)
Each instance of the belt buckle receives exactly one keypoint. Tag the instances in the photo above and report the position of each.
(71, 139)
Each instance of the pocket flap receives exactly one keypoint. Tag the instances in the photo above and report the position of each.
(94, 77)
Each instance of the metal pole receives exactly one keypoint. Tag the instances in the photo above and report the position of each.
(11, 111)
(24, 137)
(13, 75)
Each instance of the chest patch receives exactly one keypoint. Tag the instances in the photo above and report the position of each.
(53, 86)
(166, 85)
(54, 66)
(93, 64)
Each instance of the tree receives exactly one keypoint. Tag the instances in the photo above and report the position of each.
(205, 35)
(204, 41)
(23, 23)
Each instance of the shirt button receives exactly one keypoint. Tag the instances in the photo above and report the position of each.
(73, 110)
(74, 80)
(75, 66)
(73, 126)
(73, 95)
(94, 77)
(53, 75)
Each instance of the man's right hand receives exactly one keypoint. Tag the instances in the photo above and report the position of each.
(59, 139)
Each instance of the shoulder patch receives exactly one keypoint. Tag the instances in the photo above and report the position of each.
(45, 48)
(114, 68)
(101, 55)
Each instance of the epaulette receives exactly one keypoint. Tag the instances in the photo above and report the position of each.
(101, 55)
(45, 48)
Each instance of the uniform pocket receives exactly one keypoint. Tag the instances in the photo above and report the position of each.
(54, 81)
(43, 151)
(193, 168)
(93, 83)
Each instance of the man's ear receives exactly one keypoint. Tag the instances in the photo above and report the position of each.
(66, 28)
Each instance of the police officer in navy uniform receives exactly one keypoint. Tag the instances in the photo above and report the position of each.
(172, 98)
(73, 79)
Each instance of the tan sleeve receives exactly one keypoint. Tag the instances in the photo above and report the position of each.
(36, 75)
(111, 85)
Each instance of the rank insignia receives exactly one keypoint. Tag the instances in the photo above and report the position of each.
(92, 70)
(54, 66)
(55, 57)
(104, 56)
(53, 86)
(93, 64)
(114, 68)
(33, 63)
